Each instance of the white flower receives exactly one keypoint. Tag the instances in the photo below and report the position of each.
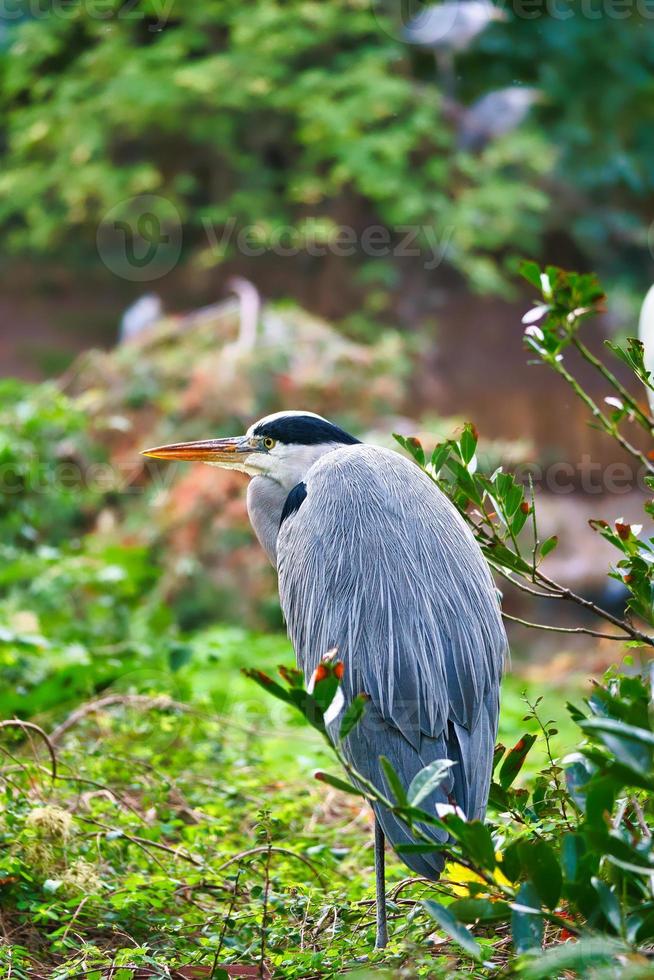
(537, 313)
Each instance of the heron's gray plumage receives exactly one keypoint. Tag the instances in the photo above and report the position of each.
(378, 563)
(495, 114)
(374, 560)
(451, 25)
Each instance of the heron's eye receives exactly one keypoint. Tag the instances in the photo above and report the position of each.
(269, 443)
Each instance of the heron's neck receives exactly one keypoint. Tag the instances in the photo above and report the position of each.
(266, 497)
(265, 501)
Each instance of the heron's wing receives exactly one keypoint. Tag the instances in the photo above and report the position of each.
(378, 563)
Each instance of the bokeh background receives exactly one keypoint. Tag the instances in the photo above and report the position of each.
(211, 210)
(244, 207)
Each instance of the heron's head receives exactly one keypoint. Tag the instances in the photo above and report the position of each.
(281, 447)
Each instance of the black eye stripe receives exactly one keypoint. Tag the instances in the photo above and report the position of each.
(304, 430)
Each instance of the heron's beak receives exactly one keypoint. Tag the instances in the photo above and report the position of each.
(228, 452)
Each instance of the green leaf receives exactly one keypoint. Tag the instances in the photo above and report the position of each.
(624, 854)
(579, 958)
(413, 446)
(498, 798)
(471, 910)
(526, 920)
(498, 752)
(427, 780)
(499, 554)
(179, 655)
(519, 520)
(511, 863)
(573, 850)
(353, 715)
(540, 863)
(440, 456)
(577, 775)
(468, 442)
(326, 682)
(549, 545)
(632, 745)
(292, 676)
(514, 761)
(600, 800)
(268, 684)
(641, 928)
(608, 903)
(455, 929)
(465, 482)
(337, 783)
(394, 782)
(531, 272)
(475, 838)
(417, 848)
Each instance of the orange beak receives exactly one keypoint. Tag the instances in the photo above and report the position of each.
(226, 451)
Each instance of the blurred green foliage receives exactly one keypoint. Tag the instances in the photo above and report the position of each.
(312, 116)
(181, 812)
(174, 771)
(41, 441)
(152, 802)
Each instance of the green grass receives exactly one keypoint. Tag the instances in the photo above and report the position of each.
(197, 829)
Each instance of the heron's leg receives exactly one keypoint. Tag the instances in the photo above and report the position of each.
(445, 72)
(381, 938)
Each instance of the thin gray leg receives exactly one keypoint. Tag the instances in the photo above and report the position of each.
(381, 938)
(445, 73)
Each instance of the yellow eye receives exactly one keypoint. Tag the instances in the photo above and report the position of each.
(269, 443)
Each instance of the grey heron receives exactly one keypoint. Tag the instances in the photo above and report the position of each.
(449, 28)
(374, 560)
(140, 316)
(249, 312)
(494, 115)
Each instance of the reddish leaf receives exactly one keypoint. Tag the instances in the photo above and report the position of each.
(515, 760)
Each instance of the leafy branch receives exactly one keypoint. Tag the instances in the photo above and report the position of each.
(497, 509)
(558, 836)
